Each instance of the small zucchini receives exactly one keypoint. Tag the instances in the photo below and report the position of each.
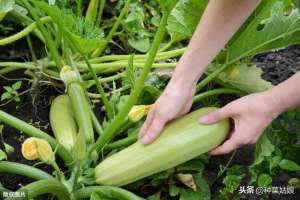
(79, 102)
(62, 121)
(181, 140)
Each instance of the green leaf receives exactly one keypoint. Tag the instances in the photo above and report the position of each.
(264, 180)
(154, 197)
(6, 95)
(8, 89)
(8, 148)
(129, 76)
(184, 18)
(232, 182)
(270, 28)
(243, 77)
(113, 193)
(17, 85)
(167, 4)
(3, 155)
(142, 45)
(195, 165)
(84, 34)
(263, 148)
(5, 7)
(202, 187)
(289, 165)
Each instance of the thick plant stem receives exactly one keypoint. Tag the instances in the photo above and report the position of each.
(18, 65)
(213, 92)
(23, 170)
(47, 186)
(123, 142)
(24, 32)
(114, 192)
(116, 66)
(34, 132)
(48, 40)
(119, 119)
(159, 56)
(113, 30)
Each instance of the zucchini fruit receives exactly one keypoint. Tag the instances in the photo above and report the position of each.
(62, 121)
(181, 140)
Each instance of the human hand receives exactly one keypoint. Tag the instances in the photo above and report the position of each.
(251, 115)
(175, 101)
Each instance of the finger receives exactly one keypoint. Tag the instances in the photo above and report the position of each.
(216, 116)
(153, 130)
(228, 146)
(147, 123)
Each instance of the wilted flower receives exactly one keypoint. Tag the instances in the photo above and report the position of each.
(138, 112)
(35, 148)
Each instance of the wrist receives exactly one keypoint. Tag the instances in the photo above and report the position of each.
(181, 83)
(275, 103)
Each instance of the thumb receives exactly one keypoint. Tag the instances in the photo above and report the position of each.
(216, 116)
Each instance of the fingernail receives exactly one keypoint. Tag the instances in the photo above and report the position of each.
(145, 139)
(204, 119)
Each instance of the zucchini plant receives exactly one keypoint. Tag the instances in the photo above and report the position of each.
(101, 154)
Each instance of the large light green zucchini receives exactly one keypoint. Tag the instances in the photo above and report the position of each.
(180, 141)
(62, 121)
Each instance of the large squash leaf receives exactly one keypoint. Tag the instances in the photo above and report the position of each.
(263, 34)
(184, 18)
(243, 77)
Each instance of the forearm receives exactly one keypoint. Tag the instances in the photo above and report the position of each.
(286, 95)
(221, 19)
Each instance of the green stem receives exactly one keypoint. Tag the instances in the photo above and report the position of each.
(100, 89)
(31, 49)
(59, 173)
(47, 186)
(113, 192)
(91, 12)
(167, 46)
(34, 132)
(100, 12)
(23, 170)
(19, 65)
(121, 116)
(6, 70)
(213, 92)
(90, 83)
(123, 142)
(24, 32)
(116, 66)
(159, 56)
(48, 40)
(97, 126)
(113, 30)
(225, 168)
(211, 77)
(121, 89)
(78, 7)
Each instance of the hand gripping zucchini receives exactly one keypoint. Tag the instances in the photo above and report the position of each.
(181, 140)
(62, 121)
